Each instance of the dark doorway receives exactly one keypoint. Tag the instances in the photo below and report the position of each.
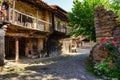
(22, 43)
(9, 47)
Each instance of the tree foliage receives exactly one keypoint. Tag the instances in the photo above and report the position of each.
(81, 19)
(115, 6)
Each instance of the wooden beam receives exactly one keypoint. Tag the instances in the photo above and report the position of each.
(13, 19)
(16, 49)
(25, 35)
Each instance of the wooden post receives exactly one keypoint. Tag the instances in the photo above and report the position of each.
(13, 14)
(37, 19)
(46, 19)
(9, 14)
(2, 46)
(16, 49)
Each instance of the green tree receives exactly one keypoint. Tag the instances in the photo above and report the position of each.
(81, 19)
(115, 6)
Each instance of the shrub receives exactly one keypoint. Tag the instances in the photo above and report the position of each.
(110, 67)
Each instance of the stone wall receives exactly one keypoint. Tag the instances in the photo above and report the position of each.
(105, 23)
(2, 47)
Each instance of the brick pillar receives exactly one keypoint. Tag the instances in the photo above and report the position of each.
(2, 46)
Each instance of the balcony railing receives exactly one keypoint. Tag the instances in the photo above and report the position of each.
(60, 28)
(27, 21)
(68, 30)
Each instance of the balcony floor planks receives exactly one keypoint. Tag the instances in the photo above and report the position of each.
(17, 31)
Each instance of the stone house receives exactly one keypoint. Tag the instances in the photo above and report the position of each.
(60, 30)
(28, 27)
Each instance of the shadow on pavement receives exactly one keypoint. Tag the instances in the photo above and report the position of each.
(70, 67)
(65, 67)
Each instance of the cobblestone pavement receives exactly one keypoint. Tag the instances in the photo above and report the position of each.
(65, 67)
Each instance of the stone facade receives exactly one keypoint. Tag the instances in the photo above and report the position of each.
(106, 25)
(2, 46)
(29, 26)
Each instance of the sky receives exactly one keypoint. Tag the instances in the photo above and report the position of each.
(65, 4)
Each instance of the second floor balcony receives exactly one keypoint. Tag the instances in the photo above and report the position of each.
(60, 27)
(18, 18)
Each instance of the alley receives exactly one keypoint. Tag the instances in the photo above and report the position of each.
(65, 67)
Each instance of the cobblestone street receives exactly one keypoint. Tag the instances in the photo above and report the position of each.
(65, 67)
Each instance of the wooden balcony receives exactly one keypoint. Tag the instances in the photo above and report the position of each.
(68, 30)
(60, 28)
(26, 21)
